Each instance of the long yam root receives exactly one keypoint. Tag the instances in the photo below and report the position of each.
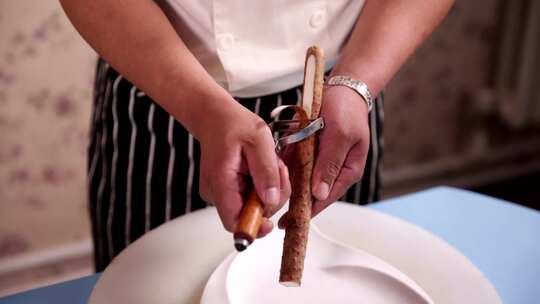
(300, 203)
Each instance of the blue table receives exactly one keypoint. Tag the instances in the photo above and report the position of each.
(500, 238)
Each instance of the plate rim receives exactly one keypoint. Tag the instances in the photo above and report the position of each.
(208, 224)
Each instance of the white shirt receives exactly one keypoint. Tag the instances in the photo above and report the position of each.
(257, 47)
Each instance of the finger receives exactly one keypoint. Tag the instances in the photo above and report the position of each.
(351, 172)
(263, 166)
(243, 183)
(319, 205)
(285, 190)
(285, 183)
(333, 149)
(266, 227)
(287, 151)
(204, 190)
(226, 194)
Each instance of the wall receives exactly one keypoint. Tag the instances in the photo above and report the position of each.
(441, 123)
(45, 99)
(425, 98)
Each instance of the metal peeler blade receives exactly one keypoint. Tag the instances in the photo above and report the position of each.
(291, 128)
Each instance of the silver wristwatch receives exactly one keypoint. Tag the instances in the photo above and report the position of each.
(357, 85)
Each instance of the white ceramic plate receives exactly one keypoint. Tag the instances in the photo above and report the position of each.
(173, 263)
(333, 273)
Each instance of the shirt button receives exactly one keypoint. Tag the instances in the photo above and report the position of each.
(318, 18)
(225, 41)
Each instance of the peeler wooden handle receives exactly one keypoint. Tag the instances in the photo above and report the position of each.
(251, 218)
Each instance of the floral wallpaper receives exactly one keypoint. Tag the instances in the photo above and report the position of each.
(46, 74)
(45, 98)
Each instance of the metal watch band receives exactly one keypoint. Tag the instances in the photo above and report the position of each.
(358, 86)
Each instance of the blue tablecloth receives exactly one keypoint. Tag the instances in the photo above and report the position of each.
(72, 292)
(500, 238)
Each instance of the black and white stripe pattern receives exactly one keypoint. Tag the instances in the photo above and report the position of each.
(143, 166)
(170, 167)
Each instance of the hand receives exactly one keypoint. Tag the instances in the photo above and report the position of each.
(237, 154)
(343, 146)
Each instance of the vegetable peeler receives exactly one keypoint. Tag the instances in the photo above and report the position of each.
(286, 132)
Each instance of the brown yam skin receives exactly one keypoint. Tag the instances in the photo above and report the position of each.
(300, 203)
(299, 214)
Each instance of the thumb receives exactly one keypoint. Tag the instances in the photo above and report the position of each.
(264, 168)
(328, 164)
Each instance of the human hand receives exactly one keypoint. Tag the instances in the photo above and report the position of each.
(343, 146)
(237, 154)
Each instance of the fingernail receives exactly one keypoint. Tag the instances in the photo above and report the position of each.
(322, 191)
(271, 197)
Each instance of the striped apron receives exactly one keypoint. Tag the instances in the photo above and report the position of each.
(143, 166)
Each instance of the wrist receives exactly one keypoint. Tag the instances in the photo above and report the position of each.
(369, 76)
(197, 102)
(355, 85)
(342, 96)
(207, 112)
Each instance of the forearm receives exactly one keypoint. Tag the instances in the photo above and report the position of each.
(385, 35)
(136, 38)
